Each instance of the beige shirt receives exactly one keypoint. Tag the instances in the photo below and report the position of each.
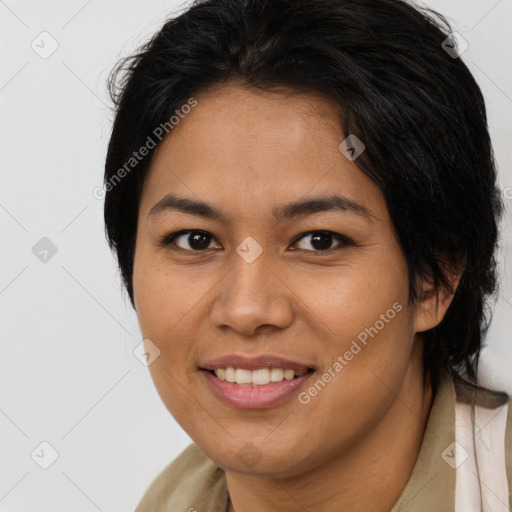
(193, 483)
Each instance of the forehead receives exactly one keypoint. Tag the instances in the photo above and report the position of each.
(245, 147)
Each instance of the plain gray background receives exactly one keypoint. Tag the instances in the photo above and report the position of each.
(69, 375)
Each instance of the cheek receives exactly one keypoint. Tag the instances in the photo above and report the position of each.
(162, 305)
(151, 301)
(363, 317)
(366, 354)
(171, 306)
(160, 296)
(350, 298)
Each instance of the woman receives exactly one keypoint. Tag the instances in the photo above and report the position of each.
(302, 198)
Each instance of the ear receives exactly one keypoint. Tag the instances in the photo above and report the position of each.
(432, 304)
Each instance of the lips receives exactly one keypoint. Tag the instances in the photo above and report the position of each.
(255, 363)
(253, 396)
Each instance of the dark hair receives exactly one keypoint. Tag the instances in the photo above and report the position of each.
(417, 109)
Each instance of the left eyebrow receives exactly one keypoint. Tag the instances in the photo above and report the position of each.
(321, 204)
(288, 211)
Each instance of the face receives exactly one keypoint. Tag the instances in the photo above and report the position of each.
(258, 239)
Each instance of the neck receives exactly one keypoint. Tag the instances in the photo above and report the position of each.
(371, 476)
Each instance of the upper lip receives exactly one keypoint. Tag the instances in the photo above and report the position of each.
(253, 363)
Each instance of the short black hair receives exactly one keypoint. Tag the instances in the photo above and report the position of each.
(415, 106)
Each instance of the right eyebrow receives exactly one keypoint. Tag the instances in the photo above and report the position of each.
(185, 205)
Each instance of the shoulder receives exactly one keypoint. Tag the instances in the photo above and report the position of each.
(191, 481)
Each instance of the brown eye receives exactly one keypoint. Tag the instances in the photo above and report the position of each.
(191, 240)
(321, 240)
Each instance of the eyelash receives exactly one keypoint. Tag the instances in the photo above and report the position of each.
(344, 241)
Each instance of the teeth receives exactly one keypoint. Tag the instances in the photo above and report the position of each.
(276, 375)
(289, 374)
(243, 376)
(259, 377)
(230, 374)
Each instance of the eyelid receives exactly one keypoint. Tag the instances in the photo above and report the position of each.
(345, 240)
(168, 239)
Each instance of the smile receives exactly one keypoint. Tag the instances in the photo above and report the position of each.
(250, 382)
(259, 377)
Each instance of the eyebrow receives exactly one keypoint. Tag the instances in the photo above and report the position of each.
(298, 208)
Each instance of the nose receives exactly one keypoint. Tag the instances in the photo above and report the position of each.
(253, 298)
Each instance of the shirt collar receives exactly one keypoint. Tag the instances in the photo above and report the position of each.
(431, 485)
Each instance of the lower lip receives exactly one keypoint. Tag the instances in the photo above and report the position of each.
(255, 397)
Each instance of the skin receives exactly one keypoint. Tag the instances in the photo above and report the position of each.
(245, 152)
